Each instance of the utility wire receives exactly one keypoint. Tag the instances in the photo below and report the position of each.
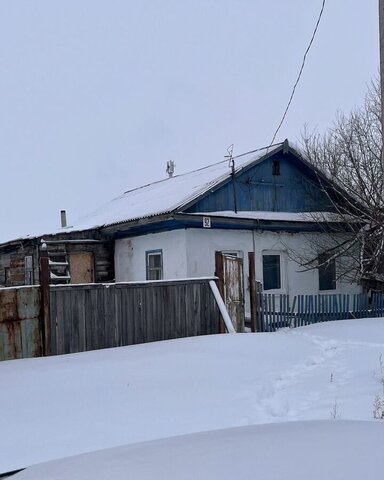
(272, 144)
(254, 151)
(300, 72)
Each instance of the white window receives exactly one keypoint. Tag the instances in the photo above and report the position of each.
(154, 264)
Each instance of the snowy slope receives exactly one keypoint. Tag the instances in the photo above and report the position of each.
(313, 450)
(61, 406)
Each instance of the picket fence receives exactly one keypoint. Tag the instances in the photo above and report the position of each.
(278, 311)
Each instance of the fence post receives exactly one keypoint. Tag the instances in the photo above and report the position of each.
(253, 292)
(45, 295)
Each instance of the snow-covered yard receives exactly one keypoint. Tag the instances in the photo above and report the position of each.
(61, 406)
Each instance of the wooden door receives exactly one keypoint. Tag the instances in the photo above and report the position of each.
(229, 269)
(82, 267)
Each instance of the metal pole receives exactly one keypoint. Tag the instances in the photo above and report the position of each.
(232, 166)
(381, 32)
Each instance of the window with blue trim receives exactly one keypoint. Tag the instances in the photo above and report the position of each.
(154, 264)
(271, 272)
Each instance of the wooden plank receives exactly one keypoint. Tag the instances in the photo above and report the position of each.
(189, 310)
(179, 320)
(219, 273)
(196, 294)
(149, 317)
(110, 324)
(118, 316)
(138, 319)
(81, 319)
(129, 321)
(60, 330)
(265, 312)
(270, 316)
(310, 309)
(91, 319)
(74, 308)
(161, 315)
(53, 320)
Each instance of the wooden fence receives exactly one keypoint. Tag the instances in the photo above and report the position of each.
(74, 318)
(88, 317)
(279, 311)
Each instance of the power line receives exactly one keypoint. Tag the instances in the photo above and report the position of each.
(272, 144)
(300, 72)
(256, 150)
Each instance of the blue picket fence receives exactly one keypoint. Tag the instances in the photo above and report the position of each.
(279, 311)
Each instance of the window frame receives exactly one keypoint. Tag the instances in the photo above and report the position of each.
(277, 253)
(233, 253)
(148, 269)
(322, 270)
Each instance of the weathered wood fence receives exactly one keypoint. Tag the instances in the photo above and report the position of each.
(88, 317)
(279, 311)
(93, 316)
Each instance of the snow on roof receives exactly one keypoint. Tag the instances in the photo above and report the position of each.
(170, 194)
(163, 196)
(155, 198)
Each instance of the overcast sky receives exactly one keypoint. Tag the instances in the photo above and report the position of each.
(97, 95)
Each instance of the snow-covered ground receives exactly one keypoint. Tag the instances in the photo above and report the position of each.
(313, 450)
(61, 406)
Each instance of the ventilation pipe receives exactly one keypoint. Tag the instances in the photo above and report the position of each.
(63, 215)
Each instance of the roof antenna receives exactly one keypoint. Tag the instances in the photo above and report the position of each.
(232, 167)
(170, 168)
(230, 157)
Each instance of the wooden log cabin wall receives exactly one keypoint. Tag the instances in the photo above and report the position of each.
(77, 257)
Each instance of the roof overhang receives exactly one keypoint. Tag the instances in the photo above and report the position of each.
(175, 221)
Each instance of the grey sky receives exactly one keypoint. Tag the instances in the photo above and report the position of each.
(97, 95)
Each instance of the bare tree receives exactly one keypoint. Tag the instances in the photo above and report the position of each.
(349, 155)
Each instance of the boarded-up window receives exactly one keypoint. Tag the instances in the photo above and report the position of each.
(271, 272)
(154, 263)
(28, 270)
(327, 273)
(82, 267)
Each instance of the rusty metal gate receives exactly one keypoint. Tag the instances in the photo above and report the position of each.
(229, 270)
(20, 323)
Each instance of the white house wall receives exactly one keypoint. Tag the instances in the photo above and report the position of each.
(191, 253)
(130, 255)
(202, 244)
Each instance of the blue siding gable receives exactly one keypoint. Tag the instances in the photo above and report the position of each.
(280, 183)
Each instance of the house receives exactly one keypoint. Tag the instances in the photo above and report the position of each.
(257, 223)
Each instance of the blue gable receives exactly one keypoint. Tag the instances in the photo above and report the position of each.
(280, 183)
